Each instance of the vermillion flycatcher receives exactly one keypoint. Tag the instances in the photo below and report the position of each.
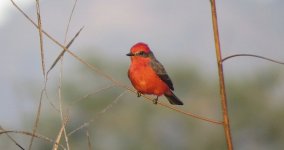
(148, 75)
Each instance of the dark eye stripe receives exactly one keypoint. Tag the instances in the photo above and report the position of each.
(142, 53)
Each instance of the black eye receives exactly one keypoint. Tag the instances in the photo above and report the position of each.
(142, 53)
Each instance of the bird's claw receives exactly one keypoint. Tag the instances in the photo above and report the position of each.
(138, 94)
(155, 101)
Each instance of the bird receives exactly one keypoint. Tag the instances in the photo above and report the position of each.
(148, 75)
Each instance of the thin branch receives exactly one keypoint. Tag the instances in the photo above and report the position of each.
(15, 142)
(69, 20)
(91, 94)
(226, 123)
(56, 142)
(37, 117)
(49, 101)
(188, 113)
(40, 37)
(105, 75)
(108, 107)
(43, 69)
(89, 140)
(55, 62)
(63, 51)
(62, 129)
(252, 55)
(30, 134)
(63, 119)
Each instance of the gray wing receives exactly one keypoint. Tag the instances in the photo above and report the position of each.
(161, 72)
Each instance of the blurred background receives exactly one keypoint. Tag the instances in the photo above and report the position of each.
(180, 34)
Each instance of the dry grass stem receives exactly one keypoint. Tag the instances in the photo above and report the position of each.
(12, 139)
(226, 123)
(62, 116)
(89, 140)
(40, 37)
(30, 134)
(252, 55)
(43, 70)
(98, 114)
(37, 117)
(69, 20)
(91, 94)
(62, 130)
(63, 121)
(63, 51)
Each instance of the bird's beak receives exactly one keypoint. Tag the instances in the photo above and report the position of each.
(130, 54)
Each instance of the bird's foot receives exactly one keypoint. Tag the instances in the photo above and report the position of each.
(138, 94)
(155, 101)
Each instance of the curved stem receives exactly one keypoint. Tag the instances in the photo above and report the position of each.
(252, 55)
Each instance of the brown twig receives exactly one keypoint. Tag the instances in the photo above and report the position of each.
(181, 111)
(62, 129)
(12, 139)
(43, 70)
(88, 95)
(30, 134)
(89, 140)
(69, 20)
(221, 78)
(64, 119)
(98, 114)
(37, 117)
(40, 37)
(63, 51)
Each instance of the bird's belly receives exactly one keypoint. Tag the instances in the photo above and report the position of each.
(147, 82)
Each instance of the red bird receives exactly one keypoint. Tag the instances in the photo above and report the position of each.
(148, 75)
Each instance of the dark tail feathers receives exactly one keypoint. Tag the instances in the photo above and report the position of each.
(174, 100)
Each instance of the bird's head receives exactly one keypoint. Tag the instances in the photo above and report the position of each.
(140, 51)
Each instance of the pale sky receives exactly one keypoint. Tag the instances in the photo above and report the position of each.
(6, 6)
